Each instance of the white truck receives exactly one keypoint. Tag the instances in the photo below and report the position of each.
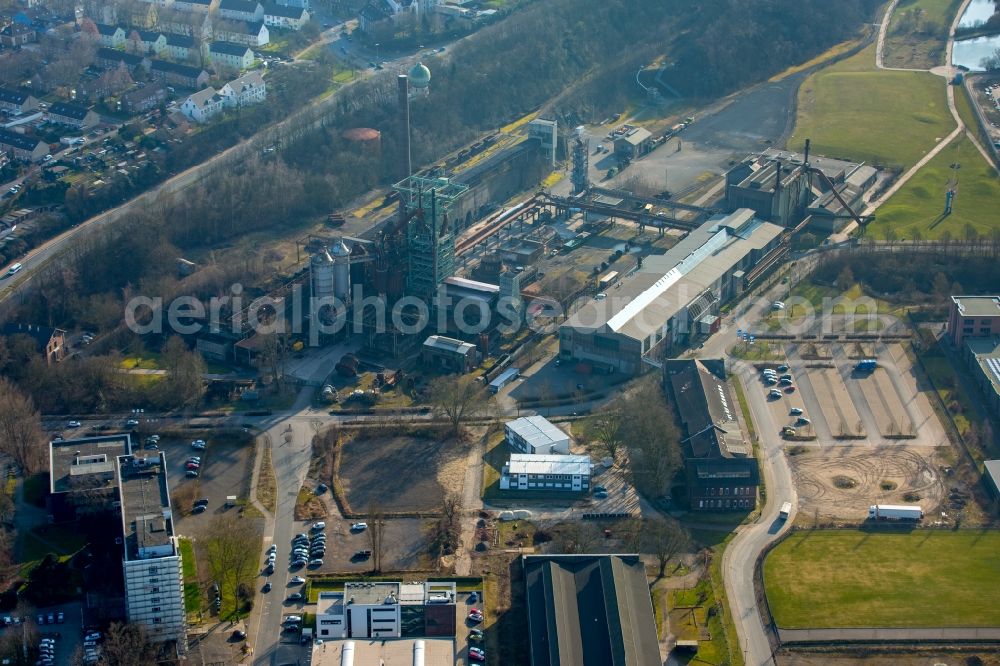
(895, 512)
(786, 510)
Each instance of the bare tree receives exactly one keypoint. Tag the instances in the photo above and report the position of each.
(449, 524)
(608, 428)
(231, 549)
(127, 645)
(184, 385)
(664, 539)
(376, 534)
(648, 429)
(21, 434)
(458, 399)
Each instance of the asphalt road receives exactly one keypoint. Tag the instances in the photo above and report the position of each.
(291, 449)
(741, 556)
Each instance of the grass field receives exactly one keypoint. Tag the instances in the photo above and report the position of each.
(855, 578)
(854, 111)
(192, 591)
(918, 206)
(918, 32)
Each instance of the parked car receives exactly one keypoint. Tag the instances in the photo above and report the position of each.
(359, 527)
(476, 615)
(266, 588)
(198, 444)
(73, 424)
(201, 502)
(318, 562)
(295, 597)
(318, 527)
(477, 654)
(191, 473)
(476, 635)
(239, 635)
(795, 411)
(296, 580)
(200, 508)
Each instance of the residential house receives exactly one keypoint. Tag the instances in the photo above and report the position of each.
(232, 55)
(372, 13)
(144, 99)
(113, 59)
(183, 47)
(379, 10)
(241, 32)
(153, 43)
(174, 74)
(244, 91)
(192, 25)
(21, 147)
(196, 6)
(110, 82)
(16, 35)
(73, 115)
(241, 10)
(719, 465)
(143, 16)
(49, 342)
(203, 105)
(111, 36)
(284, 16)
(17, 101)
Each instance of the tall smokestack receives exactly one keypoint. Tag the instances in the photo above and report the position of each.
(404, 118)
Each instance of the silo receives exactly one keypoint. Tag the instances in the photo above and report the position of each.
(341, 256)
(322, 269)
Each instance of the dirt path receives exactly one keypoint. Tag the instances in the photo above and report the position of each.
(472, 504)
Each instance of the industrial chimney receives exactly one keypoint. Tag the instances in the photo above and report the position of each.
(403, 82)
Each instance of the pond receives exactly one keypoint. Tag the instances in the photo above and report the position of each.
(970, 53)
(978, 12)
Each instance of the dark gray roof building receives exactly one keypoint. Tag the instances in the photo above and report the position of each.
(589, 610)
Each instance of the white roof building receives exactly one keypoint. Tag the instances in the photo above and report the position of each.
(546, 472)
(536, 435)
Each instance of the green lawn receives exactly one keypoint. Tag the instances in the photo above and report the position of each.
(965, 111)
(192, 591)
(918, 206)
(855, 578)
(33, 546)
(917, 33)
(854, 111)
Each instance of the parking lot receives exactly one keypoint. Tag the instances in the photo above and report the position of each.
(405, 546)
(67, 634)
(224, 472)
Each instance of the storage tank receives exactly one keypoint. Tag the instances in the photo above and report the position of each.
(368, 140)
(341, 269)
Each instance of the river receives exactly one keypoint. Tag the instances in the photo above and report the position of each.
(970, 53)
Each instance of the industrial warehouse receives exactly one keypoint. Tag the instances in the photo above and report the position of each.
(671, 298)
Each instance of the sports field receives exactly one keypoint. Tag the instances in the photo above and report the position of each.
(916, 210)
(854, 111)
(855, 578)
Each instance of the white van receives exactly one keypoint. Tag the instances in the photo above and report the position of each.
(14, 268)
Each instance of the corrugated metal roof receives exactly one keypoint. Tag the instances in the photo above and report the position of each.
(525, 463)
